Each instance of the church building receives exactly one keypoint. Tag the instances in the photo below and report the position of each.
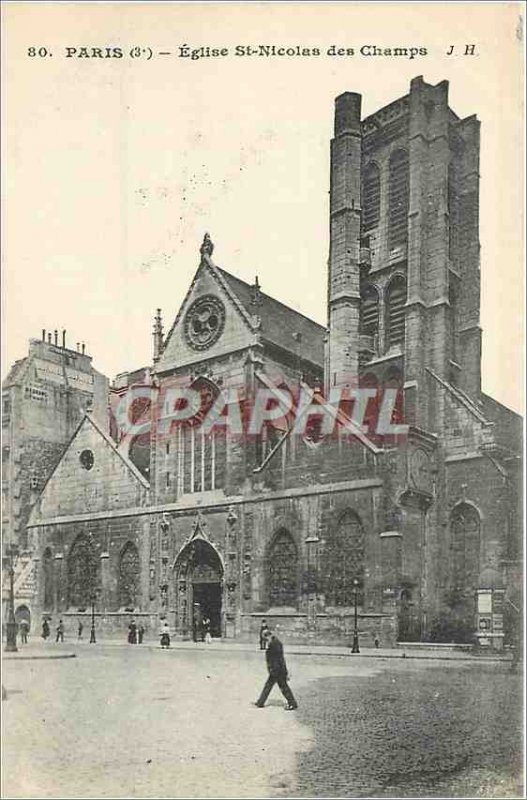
(417, 532)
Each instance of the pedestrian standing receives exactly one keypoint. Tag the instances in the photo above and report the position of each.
(276, 666)
(79, 630)
(60, 631)
(206, 629)
(132, 633)
(24, 630)
(263, 627)
(140, 633)
(164, 635)
(196, 622)
(45, 629)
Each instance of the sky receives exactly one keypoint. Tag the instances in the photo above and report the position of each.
(114, 168)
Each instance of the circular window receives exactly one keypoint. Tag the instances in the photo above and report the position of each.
(204, 322)
(86, 458)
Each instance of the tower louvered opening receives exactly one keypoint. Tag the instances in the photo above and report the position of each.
(398, 199)
(371, 197)
(395, 302)
(369, 312)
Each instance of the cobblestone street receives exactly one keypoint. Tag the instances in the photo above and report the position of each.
(121, 721)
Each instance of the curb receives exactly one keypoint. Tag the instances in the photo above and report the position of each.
(39, 657)
(472, 659)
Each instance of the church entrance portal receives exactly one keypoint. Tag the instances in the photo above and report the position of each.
(199, 587)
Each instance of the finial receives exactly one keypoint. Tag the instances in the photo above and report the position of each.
(207, 246)
(256, 297)
(158, 335)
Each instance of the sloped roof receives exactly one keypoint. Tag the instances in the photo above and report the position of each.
(280, 324)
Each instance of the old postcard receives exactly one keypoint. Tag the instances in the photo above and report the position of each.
(262, 400)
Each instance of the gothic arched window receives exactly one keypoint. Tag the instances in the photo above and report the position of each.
(139, 454)
(129, 576)
(395, 303)
(398, 198)
(465, 543)
(48, 579)
(82, 573)
(282, 571)
(200, 463)
(371, 197)
(344, 560)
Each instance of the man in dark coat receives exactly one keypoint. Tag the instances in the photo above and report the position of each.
(276, 666)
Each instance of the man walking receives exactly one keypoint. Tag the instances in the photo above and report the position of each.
(276, 666)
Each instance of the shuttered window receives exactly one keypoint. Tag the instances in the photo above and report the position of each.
(369, 311)
(371, 197)
(395, 302)
(398, 198)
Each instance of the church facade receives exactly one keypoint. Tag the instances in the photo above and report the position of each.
(310, 518)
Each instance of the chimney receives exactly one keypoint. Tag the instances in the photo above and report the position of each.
(43, 334)
(158, 335)
(64, 338)
(78, 347)
(83, 348)
(49, 338)
(56, 338)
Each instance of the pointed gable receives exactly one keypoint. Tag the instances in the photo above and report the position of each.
(241, 313)
(212, 306)
(92, 476)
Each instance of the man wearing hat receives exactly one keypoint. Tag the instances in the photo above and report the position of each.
(277, 669)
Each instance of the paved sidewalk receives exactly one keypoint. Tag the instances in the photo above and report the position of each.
(40, 649)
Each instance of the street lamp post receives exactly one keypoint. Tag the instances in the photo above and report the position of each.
(355, 645)
(93, 640)
(11, 626)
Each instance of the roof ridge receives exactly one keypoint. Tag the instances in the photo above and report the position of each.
(270, 297)
(461, 397)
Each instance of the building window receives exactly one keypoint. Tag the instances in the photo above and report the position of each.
(282, 571)
(398, 199)
(371, 197)
(82, 573)
(369, 312)
(465, 544)
(139, 453)
(344, 561)
(201, 459)
(48, 580)
(129, 577)
(6, 407)
(395, 303)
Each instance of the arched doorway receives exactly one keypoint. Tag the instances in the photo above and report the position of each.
(23, 613)
(199, 587)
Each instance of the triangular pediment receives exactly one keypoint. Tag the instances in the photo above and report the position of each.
(210, 323)
(92, 476)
